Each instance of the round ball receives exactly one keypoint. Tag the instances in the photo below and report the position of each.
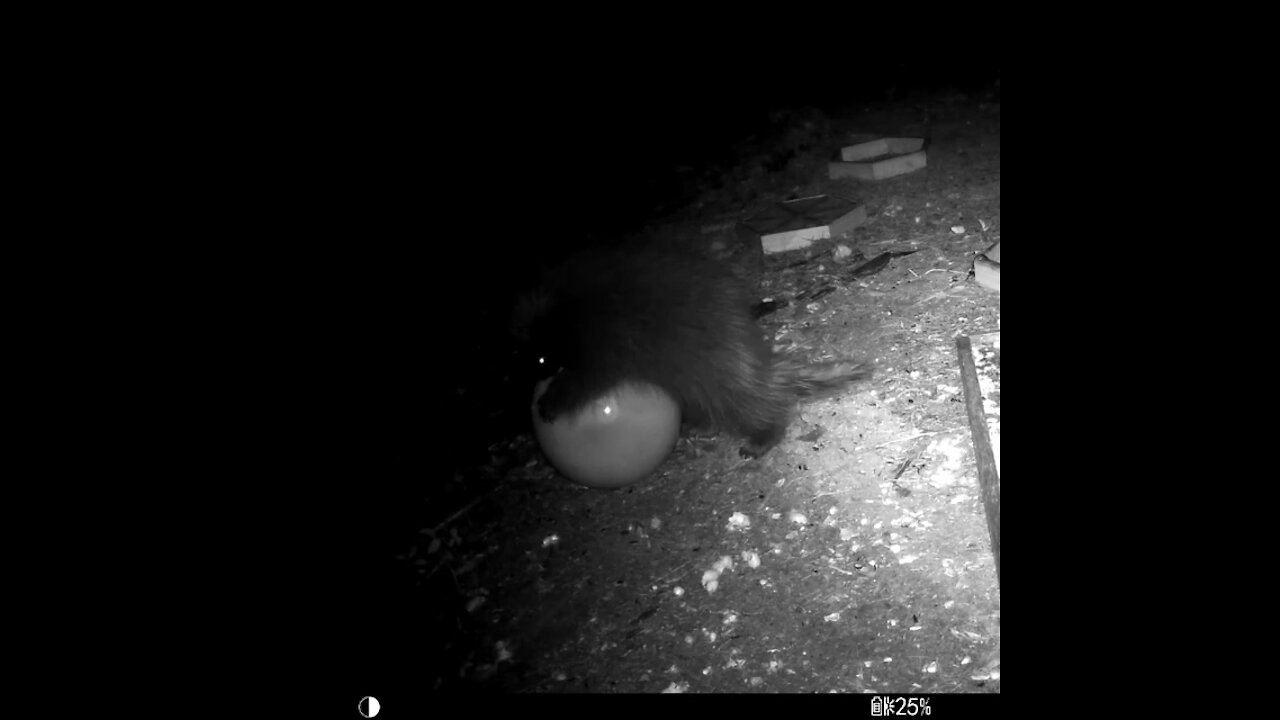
(616, 440)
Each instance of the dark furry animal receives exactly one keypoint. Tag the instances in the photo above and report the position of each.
(682, 323)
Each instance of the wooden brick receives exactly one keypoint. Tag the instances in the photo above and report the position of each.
(797, 223)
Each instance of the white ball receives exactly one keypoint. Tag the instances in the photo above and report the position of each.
(617, 439)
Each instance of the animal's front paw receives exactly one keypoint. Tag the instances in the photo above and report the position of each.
(545, 412)
(550, 404)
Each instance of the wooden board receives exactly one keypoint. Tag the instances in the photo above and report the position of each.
(879, 169)
(875, 149)
(797, 223)
(980, 378)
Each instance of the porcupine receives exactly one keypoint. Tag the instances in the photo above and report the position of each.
(679, 322)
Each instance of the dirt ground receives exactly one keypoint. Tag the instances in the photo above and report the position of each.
(854, 557)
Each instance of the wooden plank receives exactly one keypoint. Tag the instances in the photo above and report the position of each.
(879, 147)
(796, 224)
(879, 170)
(988, 463)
